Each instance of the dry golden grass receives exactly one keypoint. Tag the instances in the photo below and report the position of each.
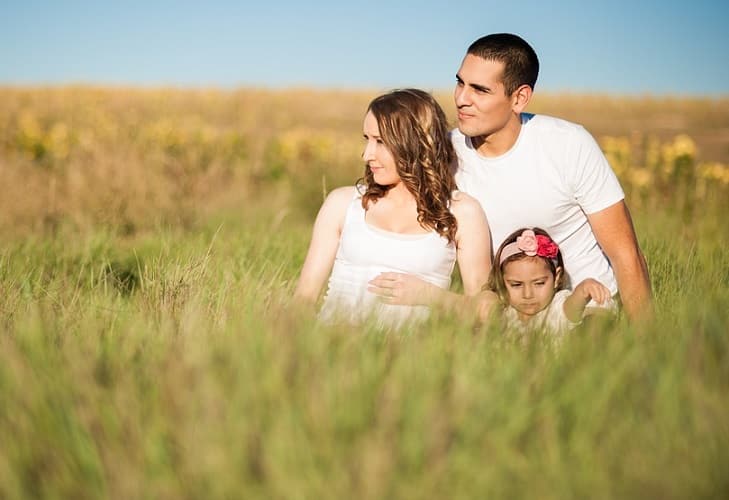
(134, 159)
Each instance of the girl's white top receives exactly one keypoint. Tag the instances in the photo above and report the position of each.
(551, 319)
(366, 251)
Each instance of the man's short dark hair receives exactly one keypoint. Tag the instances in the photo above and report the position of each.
(521, 65)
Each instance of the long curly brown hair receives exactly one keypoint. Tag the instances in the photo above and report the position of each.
(414, 128)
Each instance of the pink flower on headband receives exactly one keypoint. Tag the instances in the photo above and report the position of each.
(528, 242)
(546, 247)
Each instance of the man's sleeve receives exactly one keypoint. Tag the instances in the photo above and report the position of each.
(594, 184)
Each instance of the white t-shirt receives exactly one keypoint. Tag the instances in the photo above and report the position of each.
(553, 175)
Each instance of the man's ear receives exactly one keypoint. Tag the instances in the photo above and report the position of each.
(557, 277)
(520, 98)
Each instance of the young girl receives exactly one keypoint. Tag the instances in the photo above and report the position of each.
(405, 216)
(528, 280)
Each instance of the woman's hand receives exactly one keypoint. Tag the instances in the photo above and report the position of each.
(403, 289)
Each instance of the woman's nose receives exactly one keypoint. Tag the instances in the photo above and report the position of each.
(368, 154)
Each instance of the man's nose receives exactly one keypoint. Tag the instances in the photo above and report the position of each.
(462, 97)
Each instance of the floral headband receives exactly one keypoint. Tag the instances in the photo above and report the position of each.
(531, 244)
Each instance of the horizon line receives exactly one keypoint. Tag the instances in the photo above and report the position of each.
(223, 88)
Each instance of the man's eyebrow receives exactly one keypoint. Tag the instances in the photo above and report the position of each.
(476, 86)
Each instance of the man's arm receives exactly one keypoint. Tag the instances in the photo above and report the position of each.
(613, 229)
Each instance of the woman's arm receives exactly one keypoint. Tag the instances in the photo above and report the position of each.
(488, 302)
(323, 246)
(473, 243)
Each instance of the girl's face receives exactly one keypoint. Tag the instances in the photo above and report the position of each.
(530, 285)
(377, 155)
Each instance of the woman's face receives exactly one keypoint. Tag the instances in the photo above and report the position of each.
(377, 155)
(530, 285)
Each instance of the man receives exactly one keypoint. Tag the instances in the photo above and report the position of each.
(530, 170)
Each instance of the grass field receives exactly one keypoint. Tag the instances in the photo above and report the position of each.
(149, 244)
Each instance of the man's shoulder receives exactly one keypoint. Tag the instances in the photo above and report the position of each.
(546, 124)
(556, 137)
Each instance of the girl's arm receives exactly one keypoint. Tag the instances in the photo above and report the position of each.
(323, 246)
(587, 290)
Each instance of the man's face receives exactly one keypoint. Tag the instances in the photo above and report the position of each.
(483, 106)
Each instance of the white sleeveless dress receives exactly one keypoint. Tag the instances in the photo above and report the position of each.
(364, 252)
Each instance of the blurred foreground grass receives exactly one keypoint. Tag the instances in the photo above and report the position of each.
(148, 348)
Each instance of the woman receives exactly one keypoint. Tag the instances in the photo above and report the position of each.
(405, 216)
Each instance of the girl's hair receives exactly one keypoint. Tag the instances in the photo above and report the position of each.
(414, 128)
(496, 277)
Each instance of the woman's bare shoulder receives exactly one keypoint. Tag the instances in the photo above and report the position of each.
(340, 196)
(465, 205)
(346, 192)
(338, 200)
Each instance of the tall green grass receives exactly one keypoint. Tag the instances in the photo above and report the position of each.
(149, 245)
(173, 365)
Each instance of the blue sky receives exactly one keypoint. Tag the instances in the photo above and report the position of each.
(622, 47)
